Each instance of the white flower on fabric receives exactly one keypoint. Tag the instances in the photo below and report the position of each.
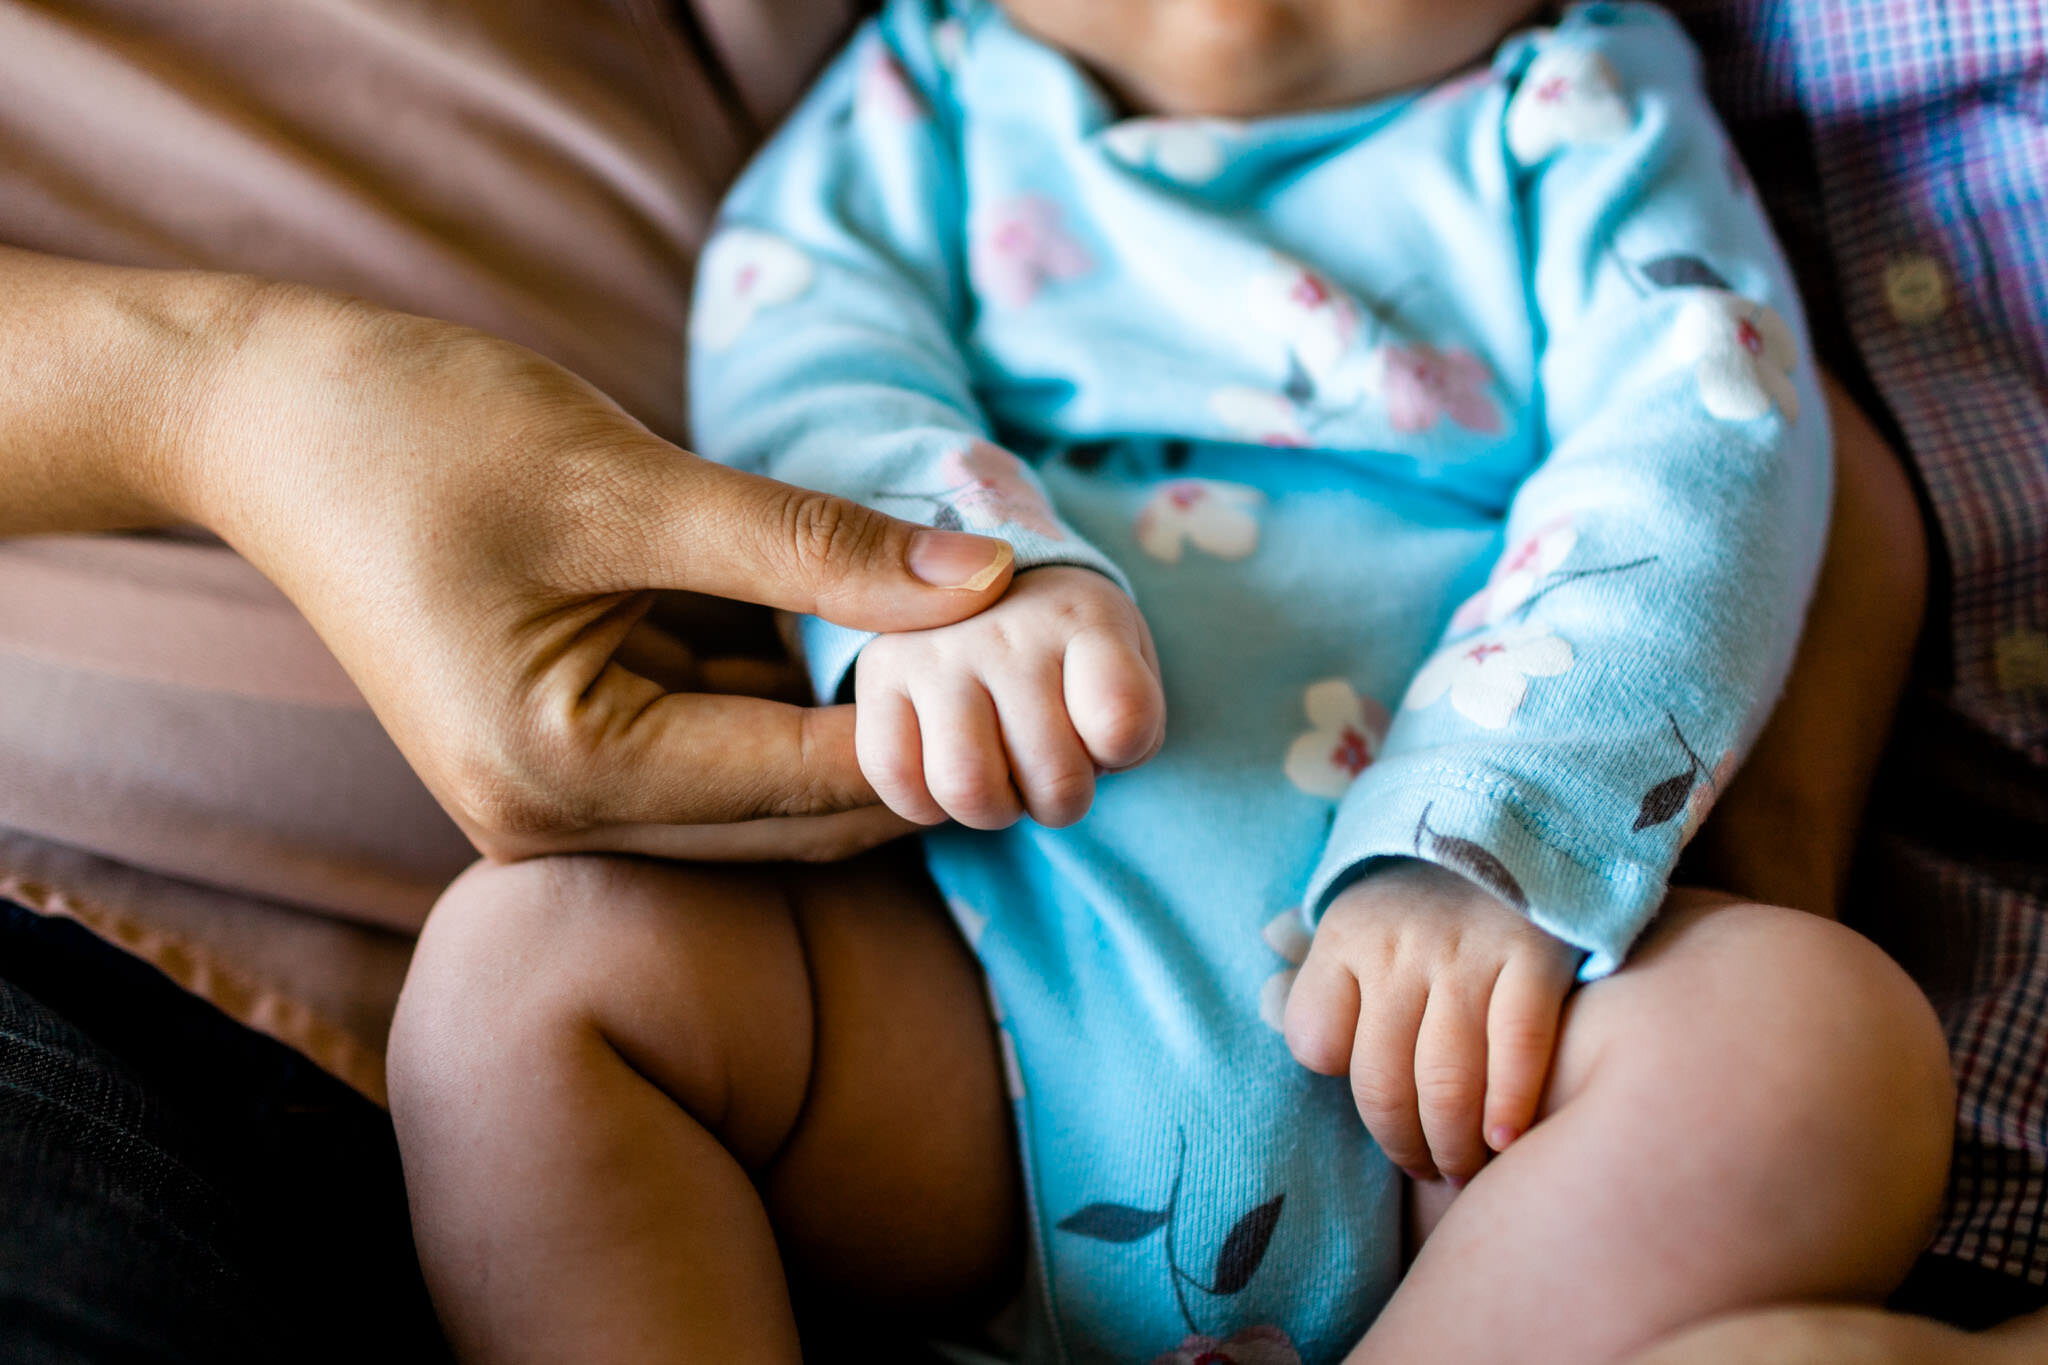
(1744, 355)
(1287, 934)
(745, 271)
(1221, 519)
(1517, 575)
(1260, 416)
(1487, 678)
(1567, 96)
(1191, 151)
(1308, 311)
(1346, 732)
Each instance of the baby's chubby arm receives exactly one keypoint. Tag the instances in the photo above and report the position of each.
(1014, 711)
(1441, 1003)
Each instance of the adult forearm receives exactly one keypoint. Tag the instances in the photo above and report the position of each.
(106, 374)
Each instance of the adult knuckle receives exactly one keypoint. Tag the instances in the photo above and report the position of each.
(826, 535)
(507, 802)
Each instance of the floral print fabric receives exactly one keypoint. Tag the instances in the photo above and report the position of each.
(1476, 528)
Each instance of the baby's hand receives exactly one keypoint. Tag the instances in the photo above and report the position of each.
(1442, 1004)
(1013, 711)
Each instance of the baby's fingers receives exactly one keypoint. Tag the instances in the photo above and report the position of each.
(1521, 1032)
(1383, 1071)
(891, 753)
(966, 768)
(1114, 699)
(1051, 768)
(1451, 1076)
(1321, 1018)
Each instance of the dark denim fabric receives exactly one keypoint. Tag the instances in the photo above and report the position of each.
(177, 1188)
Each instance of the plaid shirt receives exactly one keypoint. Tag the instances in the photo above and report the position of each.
(1903, 145)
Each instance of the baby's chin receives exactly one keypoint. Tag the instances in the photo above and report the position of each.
(1251, 91)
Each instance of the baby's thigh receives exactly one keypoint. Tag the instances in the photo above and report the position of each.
(825, 1024)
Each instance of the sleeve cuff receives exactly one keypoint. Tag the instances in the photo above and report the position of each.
(829, 651)
(1486, 828)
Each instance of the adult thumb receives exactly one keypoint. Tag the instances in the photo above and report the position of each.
(753, 539)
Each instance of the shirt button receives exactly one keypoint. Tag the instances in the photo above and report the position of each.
(1916, 289)
(2021, 661)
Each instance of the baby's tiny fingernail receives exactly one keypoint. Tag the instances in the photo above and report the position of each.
(947, 559)
(1500, 1137)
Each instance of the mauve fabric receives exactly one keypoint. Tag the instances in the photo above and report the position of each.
(174, 737)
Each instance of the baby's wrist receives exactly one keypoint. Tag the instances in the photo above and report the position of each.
(1411, 884)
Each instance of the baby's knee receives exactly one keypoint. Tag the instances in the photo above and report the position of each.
(1823, 1065)
(1839, 1023)
(518, 958)
(475, 967)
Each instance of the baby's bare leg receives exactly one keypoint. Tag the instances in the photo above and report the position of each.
(629, 1094)
(1756, 1110)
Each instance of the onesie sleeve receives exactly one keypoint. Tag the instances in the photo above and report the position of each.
(1587, 705)
(829, 306)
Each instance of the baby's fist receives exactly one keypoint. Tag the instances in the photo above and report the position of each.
(1442, 1005)
(1014, 711)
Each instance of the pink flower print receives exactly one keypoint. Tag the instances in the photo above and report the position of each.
(1744, 355)
(1488, 677)
(1309, 313)
(744, 271)
(1221, 519)
(1421, 384)
(883, 90)
(1263, 1345)
(1260, 416)
(1567, 96)
(988, 487)
(1517, 575)
(1021, 246)
(1287, 934)
(1345, 732)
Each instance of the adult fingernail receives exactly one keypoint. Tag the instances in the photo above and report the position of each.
(1456, 1182)
(1419, 1177)
(1500, 1137)
(948, 559)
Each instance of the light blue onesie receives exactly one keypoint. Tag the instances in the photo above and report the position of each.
(1464, 453)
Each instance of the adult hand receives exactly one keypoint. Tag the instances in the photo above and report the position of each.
(476, 534)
